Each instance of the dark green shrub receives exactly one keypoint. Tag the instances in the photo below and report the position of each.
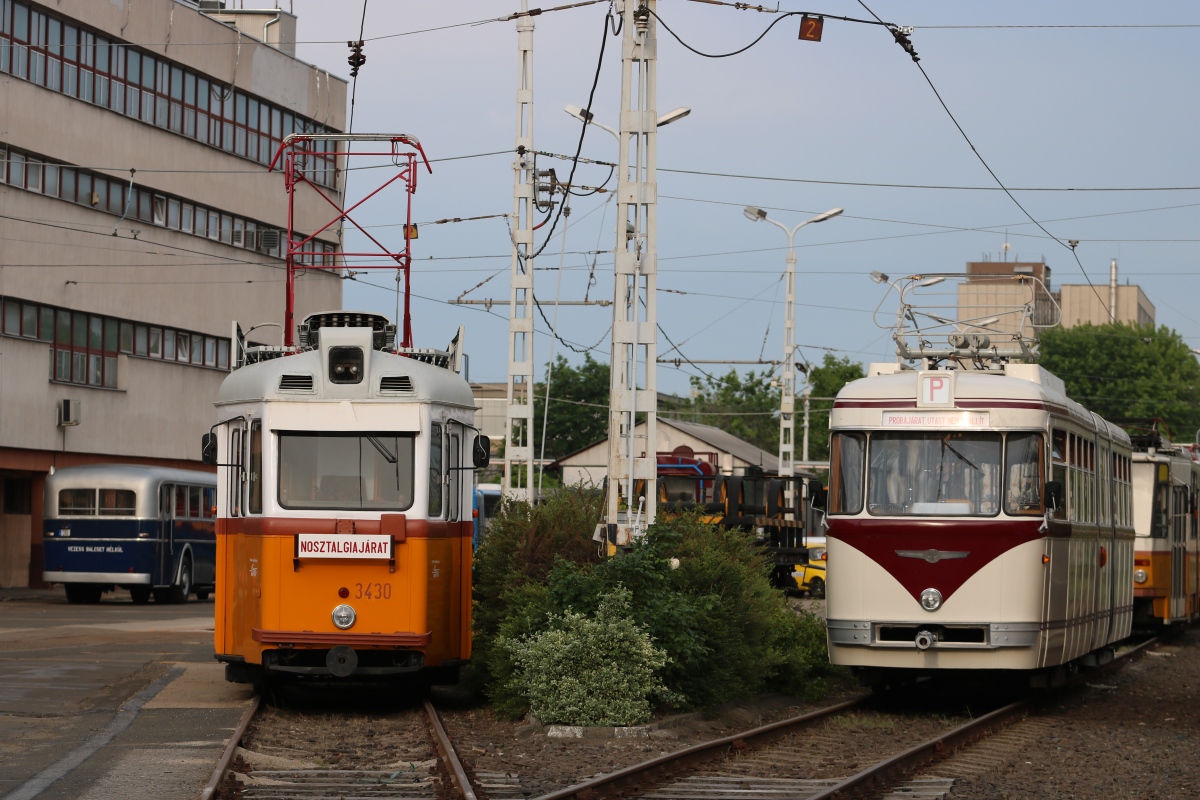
(727, 633)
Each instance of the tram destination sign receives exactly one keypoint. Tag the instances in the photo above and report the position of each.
(936, 419)
(343, 545)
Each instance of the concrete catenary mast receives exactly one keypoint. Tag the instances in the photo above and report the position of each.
(518, 429)
(634, 337)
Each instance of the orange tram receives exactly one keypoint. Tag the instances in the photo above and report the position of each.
(344, 506)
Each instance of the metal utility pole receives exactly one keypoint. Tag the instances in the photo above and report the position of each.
(634, 336)
(518, 430)
(787, 397)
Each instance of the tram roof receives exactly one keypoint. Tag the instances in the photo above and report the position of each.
(301, 377)
(1024, 383)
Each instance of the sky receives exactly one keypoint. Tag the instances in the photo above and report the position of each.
(1076, 94)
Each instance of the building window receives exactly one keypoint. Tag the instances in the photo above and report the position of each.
(57, 54)
(18, 495)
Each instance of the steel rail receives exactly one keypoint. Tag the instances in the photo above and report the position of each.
(458, 775)
(636, 778)
(942, 746)
(235, 739)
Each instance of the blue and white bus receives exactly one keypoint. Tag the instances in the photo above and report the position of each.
(146, 529)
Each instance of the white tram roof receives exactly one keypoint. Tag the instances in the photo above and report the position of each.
(1020, 383)
(303, 377)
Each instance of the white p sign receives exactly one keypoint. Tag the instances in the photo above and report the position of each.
(935, 390)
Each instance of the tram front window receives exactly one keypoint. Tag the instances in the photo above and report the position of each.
(357, 471)
(934, 473)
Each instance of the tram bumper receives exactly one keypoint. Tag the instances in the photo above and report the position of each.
(342, 661)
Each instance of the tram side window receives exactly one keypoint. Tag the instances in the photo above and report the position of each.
(117, 503)
(77, 502)
(1162, 503)
(256, 460)
(435, 470)
(455, 478)
(1058, 457)
(1023, 471)
(1104, 484)
(235, 473)
(846, 480)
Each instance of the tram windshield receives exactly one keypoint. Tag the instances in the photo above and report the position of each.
(322, 470)
(933, 473)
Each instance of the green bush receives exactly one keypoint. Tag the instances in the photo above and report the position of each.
(511, 564)
(725, 631)
(598, 670)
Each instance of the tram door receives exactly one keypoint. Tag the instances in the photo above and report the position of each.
(166, 530)
(1180, 519)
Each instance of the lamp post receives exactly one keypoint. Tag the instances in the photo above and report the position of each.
(787, 399)
(586, 116)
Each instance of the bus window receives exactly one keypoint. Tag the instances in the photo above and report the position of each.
(166, 499)
(181, 502)
(117, 503)
(435, 470)
(195, 496)
(77, 502)
(208, 507)
(255, 503)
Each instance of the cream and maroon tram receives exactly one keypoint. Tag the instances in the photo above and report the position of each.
(344, 507)
(978, 519)
(1166, 554)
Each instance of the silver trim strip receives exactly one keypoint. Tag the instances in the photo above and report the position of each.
(74, 539)
(97, 577)
(1000, 634)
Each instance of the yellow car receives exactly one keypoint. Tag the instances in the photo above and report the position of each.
(810, 577)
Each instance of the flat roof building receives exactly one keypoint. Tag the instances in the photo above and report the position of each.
(139, 220)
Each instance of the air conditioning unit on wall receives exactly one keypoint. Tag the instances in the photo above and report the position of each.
(68, 412)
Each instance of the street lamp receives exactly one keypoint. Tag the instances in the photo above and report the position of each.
(787, 400)
(584, 115)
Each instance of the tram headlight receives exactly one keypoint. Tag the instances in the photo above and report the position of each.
(344, 616)
(931, 599)
(1139, 576)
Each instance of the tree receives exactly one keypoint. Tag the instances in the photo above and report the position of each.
(578, 407)
(745, 407)
(1122, 370)
(826, 381)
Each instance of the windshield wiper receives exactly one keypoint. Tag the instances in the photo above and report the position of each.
(382, 448)
(946, 444)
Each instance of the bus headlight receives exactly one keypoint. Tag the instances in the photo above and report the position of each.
(1139, 576)
(344, 616)
(931, 599)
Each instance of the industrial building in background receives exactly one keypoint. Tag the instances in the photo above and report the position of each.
(991, 289)
(139, 220)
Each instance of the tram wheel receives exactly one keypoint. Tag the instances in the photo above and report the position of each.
(83, 593)
(140, 595)
(180, 591)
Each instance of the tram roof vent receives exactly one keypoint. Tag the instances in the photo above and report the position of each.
(396, 384)
(296, 383)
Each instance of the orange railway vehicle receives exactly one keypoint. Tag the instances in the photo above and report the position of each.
(343, 506)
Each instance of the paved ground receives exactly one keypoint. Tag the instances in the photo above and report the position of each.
(109, 701)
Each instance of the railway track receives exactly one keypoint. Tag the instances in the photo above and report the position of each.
(798, 758)
(424, 764)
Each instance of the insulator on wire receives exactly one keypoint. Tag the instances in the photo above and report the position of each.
(356, 59)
